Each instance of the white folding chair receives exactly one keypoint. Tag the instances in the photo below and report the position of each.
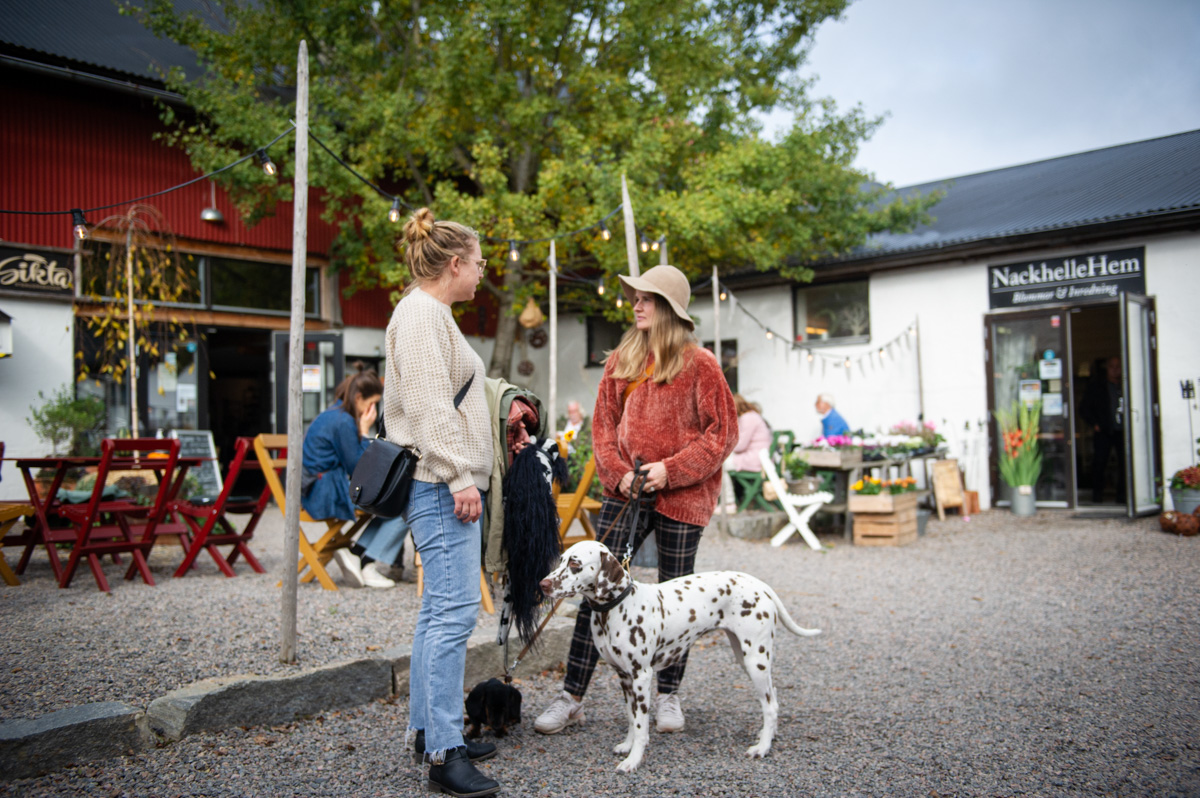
(797, 521)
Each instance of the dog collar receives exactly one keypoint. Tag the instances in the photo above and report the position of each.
(608, 605)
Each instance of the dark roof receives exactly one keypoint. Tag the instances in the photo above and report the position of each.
(1144, 179)
(92, 35)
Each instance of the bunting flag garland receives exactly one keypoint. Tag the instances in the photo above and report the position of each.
(874, 357)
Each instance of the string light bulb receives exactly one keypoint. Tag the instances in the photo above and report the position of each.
(620, 302)
(267, 164)
(724, 296)
(394, 213)
(810, 356)
(654, 244)
(513, 253)
(847, 363)
(645, 243)
(600, 289)
(80, 230)
(604, 233)
(770, 335)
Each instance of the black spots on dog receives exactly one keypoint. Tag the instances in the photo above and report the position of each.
(610, 566)
(640, 620)
(700, 589)
(758, 616)
(762, 667)
(747, 605)
(714, 600)
(645, 709)
(692, 615)
(721, 614)
(745, 613)
(747, 642)
(762, 649)
(769, 697)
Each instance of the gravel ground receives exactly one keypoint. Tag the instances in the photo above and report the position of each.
(1045, 656)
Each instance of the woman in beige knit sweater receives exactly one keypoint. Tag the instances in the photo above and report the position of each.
(434, 402)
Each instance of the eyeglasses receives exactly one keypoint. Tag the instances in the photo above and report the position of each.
(482, 264)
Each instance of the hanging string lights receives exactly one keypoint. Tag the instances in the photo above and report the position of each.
(264, 160)
(80, 231)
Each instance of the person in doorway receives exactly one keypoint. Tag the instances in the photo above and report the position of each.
(436, 402)
(333, 444)
(1103, 409)
(832, 422)
(663, 401)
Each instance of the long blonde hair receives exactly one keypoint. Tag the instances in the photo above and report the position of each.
(668, 339)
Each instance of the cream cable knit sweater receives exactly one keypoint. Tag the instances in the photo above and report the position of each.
(428, 362)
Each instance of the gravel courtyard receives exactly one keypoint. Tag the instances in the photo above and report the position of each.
(999, 656)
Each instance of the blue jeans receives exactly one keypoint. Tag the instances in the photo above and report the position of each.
(450, 557)
(383, 539)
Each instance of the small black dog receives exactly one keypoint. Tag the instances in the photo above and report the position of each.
(494, 704)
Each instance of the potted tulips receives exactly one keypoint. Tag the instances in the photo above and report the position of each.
(1021, 456)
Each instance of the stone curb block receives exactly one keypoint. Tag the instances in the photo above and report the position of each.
(751, 525)
(485, 659)
(247, 700)
(78, 734)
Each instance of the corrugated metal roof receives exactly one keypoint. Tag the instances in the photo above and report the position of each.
(1145, 178)
(94, 33)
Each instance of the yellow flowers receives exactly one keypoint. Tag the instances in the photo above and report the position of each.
(568, 436)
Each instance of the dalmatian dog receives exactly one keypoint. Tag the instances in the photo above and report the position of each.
(642, 628)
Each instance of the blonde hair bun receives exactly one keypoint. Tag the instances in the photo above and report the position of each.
(419, 226)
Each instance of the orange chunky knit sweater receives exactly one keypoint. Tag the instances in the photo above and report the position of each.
(690, 424)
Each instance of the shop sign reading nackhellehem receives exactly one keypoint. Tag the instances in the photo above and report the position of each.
(1073, 280)
(42, 272)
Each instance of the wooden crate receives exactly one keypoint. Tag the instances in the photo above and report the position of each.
(883, 502)
(886, 529)
(834, 458)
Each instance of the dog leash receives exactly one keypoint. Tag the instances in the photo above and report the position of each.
(635, 499)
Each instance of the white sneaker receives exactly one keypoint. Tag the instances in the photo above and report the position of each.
(668, 713)
(372, 578)
(351, 567)
(564, 712)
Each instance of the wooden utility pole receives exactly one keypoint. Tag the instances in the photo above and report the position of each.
(631, 243)
(553, 406)
(295, 425)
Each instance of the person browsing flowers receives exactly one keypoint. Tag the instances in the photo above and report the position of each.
(663, 401)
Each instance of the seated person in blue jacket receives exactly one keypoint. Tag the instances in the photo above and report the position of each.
(332, 446)
(832, 422)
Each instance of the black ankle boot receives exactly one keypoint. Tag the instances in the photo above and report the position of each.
(458, 777)
(476, 752)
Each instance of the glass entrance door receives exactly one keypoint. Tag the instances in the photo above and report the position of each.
(1030, 361)
(324, 366)
(1141, 405)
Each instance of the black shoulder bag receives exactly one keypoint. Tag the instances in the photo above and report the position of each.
(382, 480)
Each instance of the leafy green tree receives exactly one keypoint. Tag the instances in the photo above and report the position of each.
(519, 118)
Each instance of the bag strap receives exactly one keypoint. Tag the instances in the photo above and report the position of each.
(462, 392)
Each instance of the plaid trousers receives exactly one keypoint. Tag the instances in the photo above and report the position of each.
(677, 545)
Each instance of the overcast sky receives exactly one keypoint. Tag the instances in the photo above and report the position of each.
(974, 85)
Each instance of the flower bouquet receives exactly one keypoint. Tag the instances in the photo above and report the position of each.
(1021, 459)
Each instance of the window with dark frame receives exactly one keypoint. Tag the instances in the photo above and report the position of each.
(833, 313)
(602, 337)
(729, 361)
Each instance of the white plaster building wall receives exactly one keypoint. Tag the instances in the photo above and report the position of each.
(1173, 278)
(948, 302)
(43, 360)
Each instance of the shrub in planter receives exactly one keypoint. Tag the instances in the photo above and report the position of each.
(1185, 489)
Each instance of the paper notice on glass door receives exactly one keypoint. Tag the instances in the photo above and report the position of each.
(1052, 404)
(1029, 391)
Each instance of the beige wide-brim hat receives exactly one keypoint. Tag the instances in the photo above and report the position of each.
(666, 281)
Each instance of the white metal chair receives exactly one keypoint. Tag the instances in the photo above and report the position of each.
(797, 521)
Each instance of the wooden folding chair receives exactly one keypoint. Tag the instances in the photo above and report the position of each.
(203, 518)
(339, 534)
(797, 521)
(576, 505)
(107, 527)
(9, 515)
(752, 490)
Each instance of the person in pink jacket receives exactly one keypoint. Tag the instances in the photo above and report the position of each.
(753, 435)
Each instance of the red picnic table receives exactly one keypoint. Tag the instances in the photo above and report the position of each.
(104, 526)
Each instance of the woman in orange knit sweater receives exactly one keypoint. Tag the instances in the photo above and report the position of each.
(663, 400)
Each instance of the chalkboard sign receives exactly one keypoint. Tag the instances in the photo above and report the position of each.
(199, 443)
